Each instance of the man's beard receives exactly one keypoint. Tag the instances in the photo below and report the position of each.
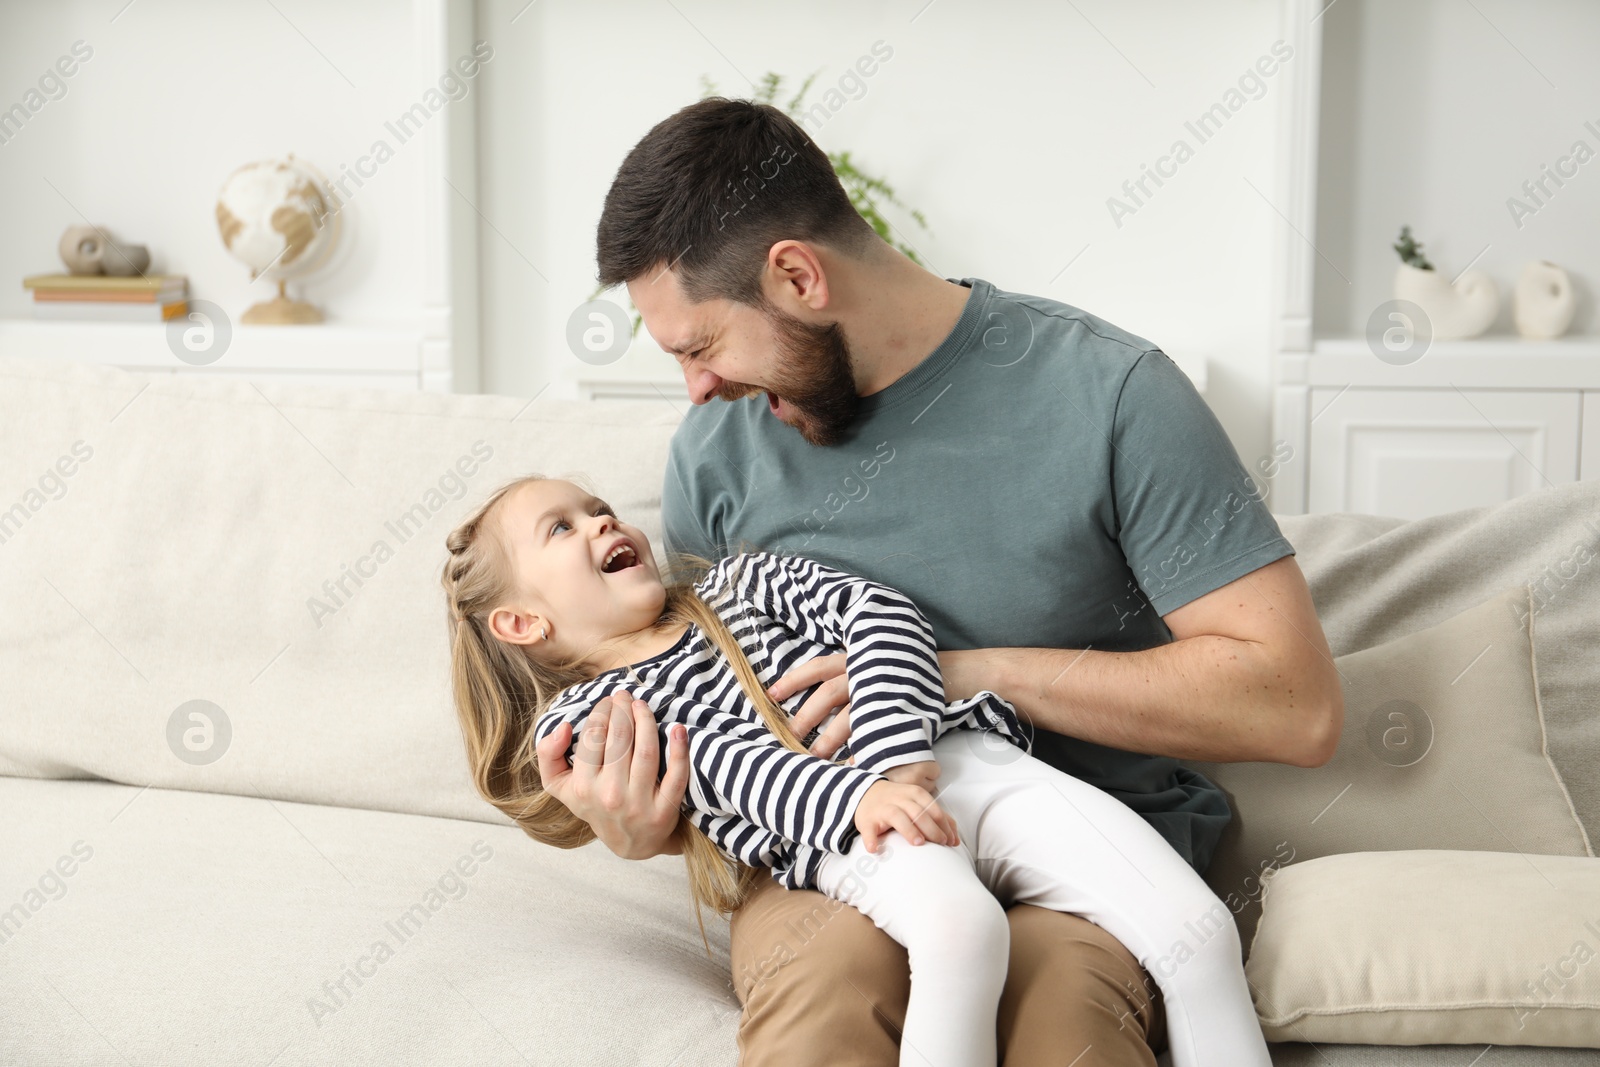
(812, 376)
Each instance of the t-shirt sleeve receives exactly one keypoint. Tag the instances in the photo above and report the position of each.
(1190, 518)
(682, 513)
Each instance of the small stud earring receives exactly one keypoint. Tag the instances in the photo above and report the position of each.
(543, 634)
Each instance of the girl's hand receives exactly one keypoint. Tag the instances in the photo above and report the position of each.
(910, 809)
(962, 672)
(923, 773)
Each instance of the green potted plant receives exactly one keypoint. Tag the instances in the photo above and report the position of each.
(1460, 309)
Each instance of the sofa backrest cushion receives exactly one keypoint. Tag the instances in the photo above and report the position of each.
(171, 545)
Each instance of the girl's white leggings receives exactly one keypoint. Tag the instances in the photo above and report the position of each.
(1033, 835)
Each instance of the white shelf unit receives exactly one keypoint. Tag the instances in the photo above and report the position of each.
(1468, 424)
(330, 354)
(431, 346)
(1471, 423)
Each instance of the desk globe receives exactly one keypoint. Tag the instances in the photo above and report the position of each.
(277, 217)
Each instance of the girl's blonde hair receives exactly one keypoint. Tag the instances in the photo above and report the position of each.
(500, 691)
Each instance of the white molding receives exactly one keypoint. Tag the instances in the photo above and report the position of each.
(1589, 438)
(1500, 363)
(618, 388)
(1294, 259)
(1291, 420)
(1582, 346)
(442, 32)
(629, 378)
(430, 57)
(449, 27)
(1295, 183)
(329, 348)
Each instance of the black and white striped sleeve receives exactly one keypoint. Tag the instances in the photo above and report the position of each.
(896, 689)
(571, 705)
(738, 769)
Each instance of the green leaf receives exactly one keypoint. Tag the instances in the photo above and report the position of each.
(793, 107)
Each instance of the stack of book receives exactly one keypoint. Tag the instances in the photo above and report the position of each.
(154, 298)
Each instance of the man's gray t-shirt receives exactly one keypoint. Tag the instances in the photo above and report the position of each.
(1041, 479)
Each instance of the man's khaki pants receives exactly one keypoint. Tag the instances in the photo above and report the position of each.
(820, 984)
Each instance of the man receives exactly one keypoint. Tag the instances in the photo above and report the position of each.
(1049, 489)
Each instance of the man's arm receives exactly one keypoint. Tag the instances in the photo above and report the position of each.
(1248, 676)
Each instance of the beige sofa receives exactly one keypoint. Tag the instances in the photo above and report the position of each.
(238, 825)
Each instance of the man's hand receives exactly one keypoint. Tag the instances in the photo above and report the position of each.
(960, 670)
(832, 695)
(910, 809)
(611, 783)
(923, 773)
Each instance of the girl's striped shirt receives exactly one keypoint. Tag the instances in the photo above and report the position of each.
(761, 803)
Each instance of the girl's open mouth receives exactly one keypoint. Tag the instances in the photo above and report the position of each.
(621, 558)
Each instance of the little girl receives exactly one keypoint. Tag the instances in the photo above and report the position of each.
(555, 603)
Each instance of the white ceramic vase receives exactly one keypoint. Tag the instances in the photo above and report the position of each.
(1544, 301)
(1454, 312)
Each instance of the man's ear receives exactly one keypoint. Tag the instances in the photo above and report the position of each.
(794, 278)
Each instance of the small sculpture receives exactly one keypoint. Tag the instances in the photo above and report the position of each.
(92, 250)
(1544, 301)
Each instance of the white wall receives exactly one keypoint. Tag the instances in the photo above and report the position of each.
(1008, 123)
(1434, 113)
(178, 93)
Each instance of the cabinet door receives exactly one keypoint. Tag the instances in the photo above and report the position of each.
(1415, 452)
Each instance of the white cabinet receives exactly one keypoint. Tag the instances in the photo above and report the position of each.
(1416, 452)
(1471, 423)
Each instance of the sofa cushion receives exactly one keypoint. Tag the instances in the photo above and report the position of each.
(204, 907)
(1430, 946)
(1376, 578)
(1443, 747)
(185, 544)
(156, 926)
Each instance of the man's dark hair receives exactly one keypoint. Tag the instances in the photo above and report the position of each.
(709, 191)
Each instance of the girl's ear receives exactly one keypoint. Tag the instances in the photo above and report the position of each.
(516, 627)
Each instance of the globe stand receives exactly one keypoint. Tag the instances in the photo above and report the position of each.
(281, 311)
